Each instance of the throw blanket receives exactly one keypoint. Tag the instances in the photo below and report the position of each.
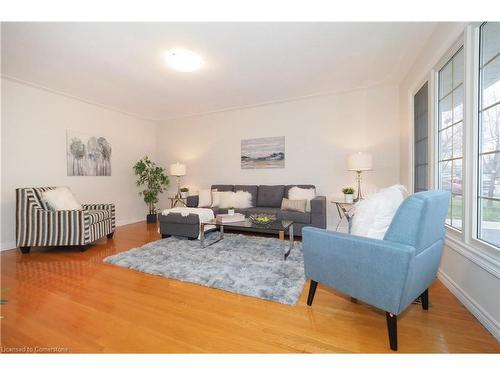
(204, 214)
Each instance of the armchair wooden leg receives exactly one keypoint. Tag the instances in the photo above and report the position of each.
(312, 291)
(165, 236)
(110, 235)
(424, 298)
(392, 329)
(25, 249)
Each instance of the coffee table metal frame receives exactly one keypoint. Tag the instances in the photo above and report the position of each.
(286, 226)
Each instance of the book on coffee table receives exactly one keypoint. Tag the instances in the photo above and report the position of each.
(225, 218)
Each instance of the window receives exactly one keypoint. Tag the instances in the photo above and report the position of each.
(420, 121)
(450, 134)
(489, 134)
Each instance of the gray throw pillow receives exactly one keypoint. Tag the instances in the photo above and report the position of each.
(298, 205)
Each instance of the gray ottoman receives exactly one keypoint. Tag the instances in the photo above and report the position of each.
(174, 224)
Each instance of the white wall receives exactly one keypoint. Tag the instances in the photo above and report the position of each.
(319, 134)
(34, 123)
(472, 278)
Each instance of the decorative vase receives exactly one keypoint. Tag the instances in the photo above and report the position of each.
(348, 198)
(230, 211)
(151, 218)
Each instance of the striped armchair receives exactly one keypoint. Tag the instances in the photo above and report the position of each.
(37, 225)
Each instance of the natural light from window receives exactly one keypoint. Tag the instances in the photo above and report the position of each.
(489, 134)
(450, 134)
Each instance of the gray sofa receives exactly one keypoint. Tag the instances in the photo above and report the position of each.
(265, 199)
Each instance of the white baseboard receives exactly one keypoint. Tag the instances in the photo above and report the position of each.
(120, 223)
(9, 245)
(483, 316)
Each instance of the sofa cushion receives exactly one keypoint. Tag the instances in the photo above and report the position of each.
(252, 189)
(288, 187)
(97, 216)
(263, 210)
(223, 187)
(270, 195)
(223, 211)
(296, 217)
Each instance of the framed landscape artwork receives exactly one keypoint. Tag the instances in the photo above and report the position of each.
(259, 153)
(87, 155)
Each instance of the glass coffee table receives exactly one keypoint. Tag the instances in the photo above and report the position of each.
(279, 227)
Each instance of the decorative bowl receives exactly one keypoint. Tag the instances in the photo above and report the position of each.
(262, 219)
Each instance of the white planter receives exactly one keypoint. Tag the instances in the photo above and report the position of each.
(184, 194)
(230, 212)
(348, 198)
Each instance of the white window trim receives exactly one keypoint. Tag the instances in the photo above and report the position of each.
(472, 105)
(411, 132)
(434, 125)
(464, 242)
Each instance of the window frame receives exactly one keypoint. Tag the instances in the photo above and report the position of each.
(445, 59)
(418, 87)
(466, 240)
(473, 32)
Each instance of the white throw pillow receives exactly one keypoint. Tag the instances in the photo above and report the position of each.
(223, 199)
(216, 198)
(297, 194)
(205, 198)
(226, 199)
(373, 215)
(242, 199)
(61, 199)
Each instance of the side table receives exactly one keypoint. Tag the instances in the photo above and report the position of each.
(176, 200)
(343, 209)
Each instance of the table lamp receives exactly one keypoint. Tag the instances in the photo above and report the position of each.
(359, 162)
(178, 170)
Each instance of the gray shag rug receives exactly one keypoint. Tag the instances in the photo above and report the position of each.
(248, 265)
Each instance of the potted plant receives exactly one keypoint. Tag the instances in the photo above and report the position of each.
(184, 192)
(230, 211)
(348, 194)
(152, 181)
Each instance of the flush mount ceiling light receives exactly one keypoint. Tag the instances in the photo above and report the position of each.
(183, 60)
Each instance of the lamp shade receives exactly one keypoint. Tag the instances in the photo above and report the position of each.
(177, 169)
(359, 161)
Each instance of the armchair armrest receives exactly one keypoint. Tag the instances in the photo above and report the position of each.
(99, 206)
(371, 270)
(318, 212)
(52, 228)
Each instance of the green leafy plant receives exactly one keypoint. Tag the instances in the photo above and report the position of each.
(152, 181)
(184, 190)
(262, 218)
(348, 190)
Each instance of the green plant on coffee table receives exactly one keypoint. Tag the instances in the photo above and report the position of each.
(348, 190)
(152, 181)
(262, 219)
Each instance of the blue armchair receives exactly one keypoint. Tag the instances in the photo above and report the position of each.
(390, 273)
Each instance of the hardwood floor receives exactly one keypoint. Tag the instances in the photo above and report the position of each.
(64, 298)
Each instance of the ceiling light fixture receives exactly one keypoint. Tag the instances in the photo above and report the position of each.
(183, 60)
